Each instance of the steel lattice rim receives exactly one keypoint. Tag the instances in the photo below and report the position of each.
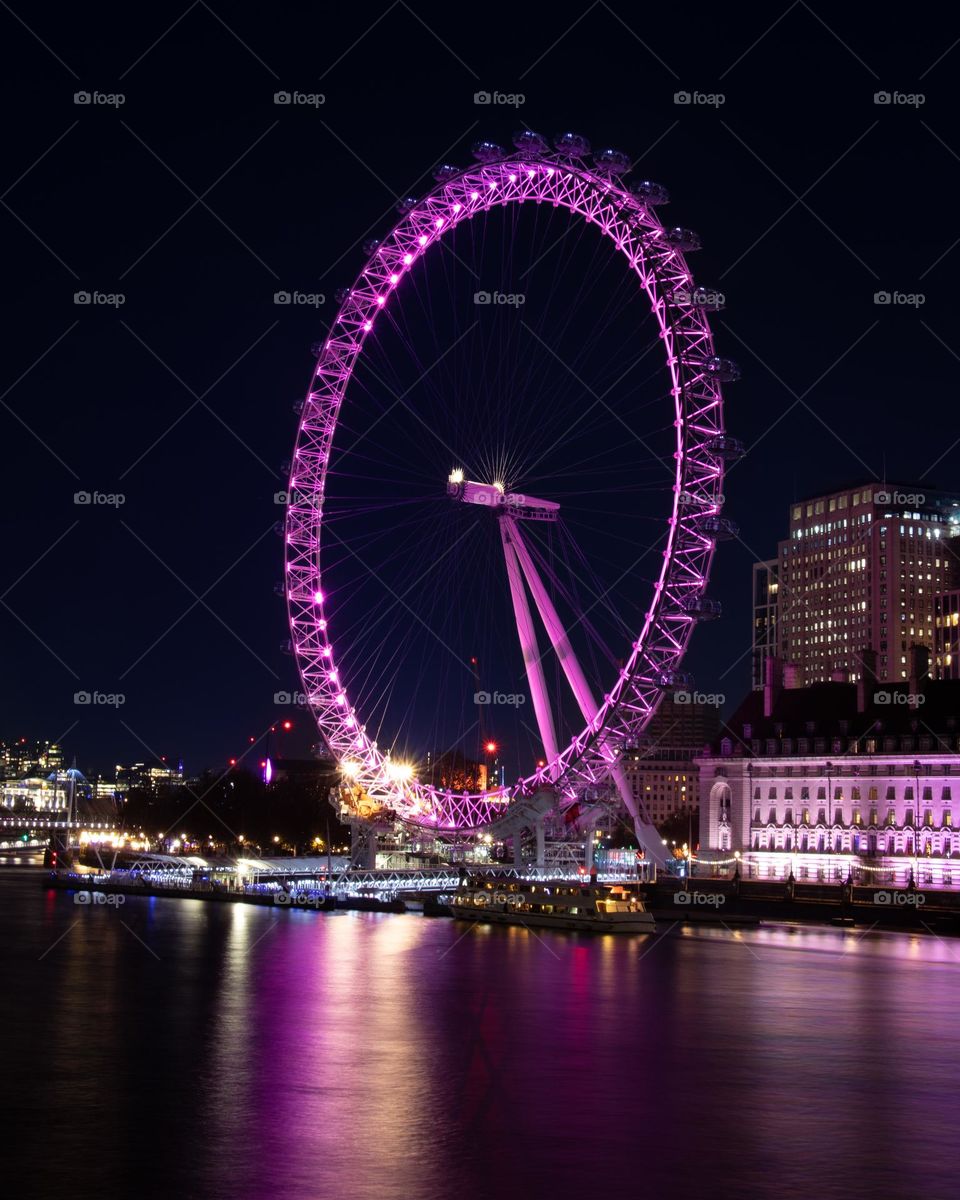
(658, 650)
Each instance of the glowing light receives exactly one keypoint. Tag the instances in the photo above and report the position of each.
(351, 768)
(326, 651)
(332, 676)
(394, 278)
(399, 772)
(491, 747)
(341, 699)
(474, 195)
(512, 178)
(498, 484)
(407, 260)
(422, 239)
(367, 325)
(456, 475)
(381, 300)
(321, 624)
(318, 597)
(287, 725)
(268, 771)
(457, 207)
(439, 222)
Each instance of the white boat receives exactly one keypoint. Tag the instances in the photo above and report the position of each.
(594, 908)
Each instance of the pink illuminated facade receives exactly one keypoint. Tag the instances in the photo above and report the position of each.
(836, 779)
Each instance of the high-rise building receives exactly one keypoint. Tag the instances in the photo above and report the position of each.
(766, 588)
(946, 635)
(661, 770)
(148, 779)
(21, 758)
(859, 570)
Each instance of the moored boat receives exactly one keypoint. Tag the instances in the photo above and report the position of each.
(594, 908)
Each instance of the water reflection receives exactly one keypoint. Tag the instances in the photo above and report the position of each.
(250, 1052)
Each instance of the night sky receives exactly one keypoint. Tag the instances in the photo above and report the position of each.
(198, 198)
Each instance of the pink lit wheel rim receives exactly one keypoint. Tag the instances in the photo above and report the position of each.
(610, 710)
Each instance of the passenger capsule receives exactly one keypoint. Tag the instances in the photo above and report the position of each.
(676, 679)
(724, 369)
(700, 608)
(531, 143)
(487, 152)
(405, 205)
(445, 173)
(572, 145)
(370, 245)
(721, 529)
(612, 162)
(683, 240)
(650, 193)
(342, 294)
(725, 447)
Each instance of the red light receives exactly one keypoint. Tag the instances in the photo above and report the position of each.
(250, 740)
(541, 763)
(263, 763)
(233, 762)
(288, 724)
(491, 747)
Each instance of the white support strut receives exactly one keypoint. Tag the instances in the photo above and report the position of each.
(528, 645)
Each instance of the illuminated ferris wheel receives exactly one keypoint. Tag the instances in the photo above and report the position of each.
(506, 489)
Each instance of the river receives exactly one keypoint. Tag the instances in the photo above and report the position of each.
(180, 1048)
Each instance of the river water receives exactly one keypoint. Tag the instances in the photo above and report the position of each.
(180, 1048)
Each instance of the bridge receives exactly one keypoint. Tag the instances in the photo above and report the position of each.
(56, 819)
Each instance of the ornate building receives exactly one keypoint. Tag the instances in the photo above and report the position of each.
(837, 778)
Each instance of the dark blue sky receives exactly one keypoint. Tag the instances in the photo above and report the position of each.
(198, 198)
